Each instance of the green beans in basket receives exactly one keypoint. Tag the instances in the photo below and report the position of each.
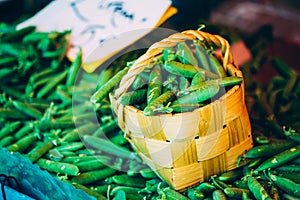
(183, 64)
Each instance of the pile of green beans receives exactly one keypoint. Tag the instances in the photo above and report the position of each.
(43, 119)
(185, 77)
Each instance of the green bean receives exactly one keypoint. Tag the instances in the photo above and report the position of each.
(73, 146)
(80, 158)
(206, 187)
(280, 158)
(218, 195)
(139, 82)
(235, 192)
(12, 113)
(257, 189)
(185, 55)
(194, 194)
(177, 68)
(104, 90)
(28, 109)
(37, 152)
(22, 144)
(179, 108)
(202, 56)
(7, 140)
(90, 165)
(133, 97)
(93, 176)
(104, 76)
(101, 189)
(58, 167)
(108, 147)
(51, 85)
(205, 92)
(147, 173)
(74, 69)
(286, 184)
(9, 128)
(155, 84)
(231, 175)
(131, 192)
(230, 81)
(216, 66)
(173, 195)
(34, 37)
(125, 180)
(291, 168)
(169, 54)
(198, 78)
(268, 150)
(41, 75)
(164, 98)
(27, 128)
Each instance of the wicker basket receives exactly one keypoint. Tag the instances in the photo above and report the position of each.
(185, 149)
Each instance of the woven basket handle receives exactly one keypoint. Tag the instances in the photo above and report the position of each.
(156, 50)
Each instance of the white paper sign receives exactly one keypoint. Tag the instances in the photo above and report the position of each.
(94, 22)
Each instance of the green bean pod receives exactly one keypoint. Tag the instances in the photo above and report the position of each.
(7, 140)
(74, 69)
(202, 56)
(133, 97)
(125, 180)
(216, 66)
(280, 158)
(9, 128)
(195, 194)
(58, 167)
(164, 98)
(231, 175)
(268, 150)
(28, 109)
(218, 195)
(185, 55)
(235, 192)
(257, 189)
(173, 195)
(51, 85)
(22, 144)
(104, 90)
(90, 165)
(37, 152)
(108, 147)
(286, 184)
(177, 68)
(198, 78)
(205, 92)
(93, 176)
(155, 84)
